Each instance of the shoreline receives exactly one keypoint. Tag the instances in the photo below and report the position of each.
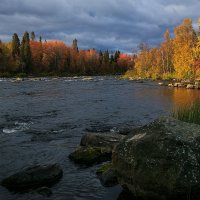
(187, 84)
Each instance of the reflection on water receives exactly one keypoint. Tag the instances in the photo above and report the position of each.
(183, 97)
(42, 121)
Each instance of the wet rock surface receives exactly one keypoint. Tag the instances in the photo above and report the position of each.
(109, 178)
(107, 175)
(95, 148)
(102, 140)
(160, 160)
(90, 155)
(104, 167)
(34, 177)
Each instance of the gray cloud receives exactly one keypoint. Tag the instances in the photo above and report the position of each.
(101, 24)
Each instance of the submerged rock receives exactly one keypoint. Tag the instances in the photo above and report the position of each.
(107, 175)
(44, 191)
(104, 167)
(90, 155)
(160, 160)
(109, 178)
(34, 177)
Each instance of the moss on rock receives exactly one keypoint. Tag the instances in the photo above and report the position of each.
(104, 167)
(90, 155)
(160, 160)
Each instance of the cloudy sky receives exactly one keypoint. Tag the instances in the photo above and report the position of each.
(100, 24)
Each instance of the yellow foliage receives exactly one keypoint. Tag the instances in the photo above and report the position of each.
(183, 45)
(175, 58)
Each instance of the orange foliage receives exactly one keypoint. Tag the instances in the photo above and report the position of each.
(125, 60)
(54, 53)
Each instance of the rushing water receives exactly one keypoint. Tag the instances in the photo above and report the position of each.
(41, 122)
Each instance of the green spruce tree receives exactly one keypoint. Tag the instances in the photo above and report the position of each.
(100, 57)
(25, 52)
(32, 36)
(15, 45)
(117, 55)
(75, 45)
(106, 57)
(40, 39)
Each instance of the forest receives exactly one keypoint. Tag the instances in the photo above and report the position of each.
(177, 57)
(31, 57)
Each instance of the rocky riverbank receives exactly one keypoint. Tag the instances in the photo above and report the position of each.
(188, 84)
(158, 161)
(182, 84)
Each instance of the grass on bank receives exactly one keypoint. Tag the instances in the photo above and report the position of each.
(189, 114)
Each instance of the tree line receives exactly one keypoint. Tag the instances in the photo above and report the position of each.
(177, 57)
(37, 57)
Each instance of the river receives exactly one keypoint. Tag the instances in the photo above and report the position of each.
(42, 121)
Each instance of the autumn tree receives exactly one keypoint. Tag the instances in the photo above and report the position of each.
(196, 52)
(183, 44)
(124, 62)
(199, 27)
(36, 56)
(143, 60)
(166, 51)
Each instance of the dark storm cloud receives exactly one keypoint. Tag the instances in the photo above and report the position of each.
(112, 24)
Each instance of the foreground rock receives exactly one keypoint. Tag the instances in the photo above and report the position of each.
(95, 148)
(160, 161)
(34, 177)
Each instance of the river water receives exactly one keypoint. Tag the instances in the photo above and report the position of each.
(41, 122)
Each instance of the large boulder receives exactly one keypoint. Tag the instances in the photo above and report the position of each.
(160, 161)
(34, 177)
